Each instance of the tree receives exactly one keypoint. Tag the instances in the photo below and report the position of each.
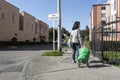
(64, 31)
(87, 28)
(85, 33)
(51, 34)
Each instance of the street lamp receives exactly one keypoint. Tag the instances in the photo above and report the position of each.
(59, 24)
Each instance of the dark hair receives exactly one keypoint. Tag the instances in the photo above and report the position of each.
(76, 25)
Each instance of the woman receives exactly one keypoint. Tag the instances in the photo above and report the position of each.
(76, 40)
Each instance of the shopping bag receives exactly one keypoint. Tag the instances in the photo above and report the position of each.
(69, 43)
(84, 54)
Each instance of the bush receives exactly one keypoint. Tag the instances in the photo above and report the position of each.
(53, 53)
(14, 40)
(86, 38)
(107, 45)
(43, 42)
(88, 45)
(111, 45)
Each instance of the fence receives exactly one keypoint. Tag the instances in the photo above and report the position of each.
(106, 42)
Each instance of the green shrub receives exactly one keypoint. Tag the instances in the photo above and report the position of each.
(86, 38)
(53, 53)
(111, 45)
(88, 44)
(112, 55)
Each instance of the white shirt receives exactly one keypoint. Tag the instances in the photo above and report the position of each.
(76, 36)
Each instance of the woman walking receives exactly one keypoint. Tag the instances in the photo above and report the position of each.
(76, 40)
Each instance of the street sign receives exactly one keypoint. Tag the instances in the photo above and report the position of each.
(53, 16)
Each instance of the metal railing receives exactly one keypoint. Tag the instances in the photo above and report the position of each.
(106, 42)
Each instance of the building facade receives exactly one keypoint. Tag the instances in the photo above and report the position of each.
(118, 16)
(42, 31)
(115, 15)
(9, 21)
(20, 27)
(111, 13)
(100, 14)
(113, 10)
(27, 28)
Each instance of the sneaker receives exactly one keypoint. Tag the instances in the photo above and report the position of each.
(73, 61)
(77, 62)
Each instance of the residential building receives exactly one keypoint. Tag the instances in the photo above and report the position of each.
(113, 10)
(118, 17)
(9, 21)
(37, 30)
(20, 27)
(115, 15)
(100, 14)
(44, 31)
(32, 29)
(27, 27)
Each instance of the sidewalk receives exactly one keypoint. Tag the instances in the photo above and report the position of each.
(62, 68)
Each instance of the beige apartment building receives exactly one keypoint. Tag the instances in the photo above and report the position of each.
(15, 26)
(100, 14)
(27, 27)
(42, 30)
(9, 21)
(32, 29)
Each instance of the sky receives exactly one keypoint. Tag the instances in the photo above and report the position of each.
(71, 10)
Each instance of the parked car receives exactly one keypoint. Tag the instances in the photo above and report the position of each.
(63, 42)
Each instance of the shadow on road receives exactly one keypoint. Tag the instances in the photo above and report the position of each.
(97, 64)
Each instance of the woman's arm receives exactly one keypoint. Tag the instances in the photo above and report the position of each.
(79, 37)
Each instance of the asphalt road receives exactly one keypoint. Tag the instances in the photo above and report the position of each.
(13, 59)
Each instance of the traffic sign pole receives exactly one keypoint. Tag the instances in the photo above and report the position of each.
(59, 25)
(53, 36)
(53, 17)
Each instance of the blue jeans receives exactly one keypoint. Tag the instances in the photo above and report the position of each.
(75, 50)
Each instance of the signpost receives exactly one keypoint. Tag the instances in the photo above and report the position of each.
(53, 17)
(59, 24)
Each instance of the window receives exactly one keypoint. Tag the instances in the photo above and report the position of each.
(32, 26)
(103, 8)
(114, 17)
(27, 25)
(0, 32)
(103, 22)
(0, 9)
(3, 15)
(115, 5)
(21, 23)
(36, 27)
(103, 14)
(13, 18)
